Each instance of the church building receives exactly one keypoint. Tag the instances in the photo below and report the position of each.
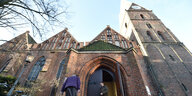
(144, 59)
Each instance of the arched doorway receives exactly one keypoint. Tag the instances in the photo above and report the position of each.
(104, 75)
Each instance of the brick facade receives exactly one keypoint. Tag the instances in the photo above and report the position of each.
(146, 59)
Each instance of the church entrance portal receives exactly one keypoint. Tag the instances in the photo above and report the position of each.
(102, 75)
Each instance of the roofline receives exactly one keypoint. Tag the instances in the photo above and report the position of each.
(104, 52)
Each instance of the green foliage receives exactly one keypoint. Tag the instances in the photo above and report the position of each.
(8, 82)
(31, 88)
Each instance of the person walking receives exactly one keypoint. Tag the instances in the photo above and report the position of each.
(71, 85)
(103, 90)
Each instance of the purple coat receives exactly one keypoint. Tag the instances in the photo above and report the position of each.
(72, 81)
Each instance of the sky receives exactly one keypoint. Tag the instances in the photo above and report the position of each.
(89, 17)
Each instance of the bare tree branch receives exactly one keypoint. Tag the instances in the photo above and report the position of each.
(41, 15)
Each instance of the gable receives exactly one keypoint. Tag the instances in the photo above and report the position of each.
(111, 36)
(101, 46)
(136, 7)
(62, 40)
(18, 43)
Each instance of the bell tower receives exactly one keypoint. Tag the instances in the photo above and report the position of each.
(167, 61)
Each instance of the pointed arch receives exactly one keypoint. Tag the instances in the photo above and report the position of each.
(149, 25)
(62, 40)
(36, 69)
(149, 35)
(61, 67)
(142, 16)
(102, 61)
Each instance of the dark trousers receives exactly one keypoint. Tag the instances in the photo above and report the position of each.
(71, 91)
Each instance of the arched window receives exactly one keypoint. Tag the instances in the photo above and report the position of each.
(61, 66)
(36, 69)
(5, 65)
(149, 25)
(142, 16)
(125, 25)
(160, 35)
(149, 35)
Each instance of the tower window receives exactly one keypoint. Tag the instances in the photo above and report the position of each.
(160, 35)
(125, 25)
(149, 35)
(171, 57)
(149, 25)
(142, 16)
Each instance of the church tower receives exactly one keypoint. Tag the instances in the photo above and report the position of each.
(168, 63)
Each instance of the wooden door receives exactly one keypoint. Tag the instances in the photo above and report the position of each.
(101, 75)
